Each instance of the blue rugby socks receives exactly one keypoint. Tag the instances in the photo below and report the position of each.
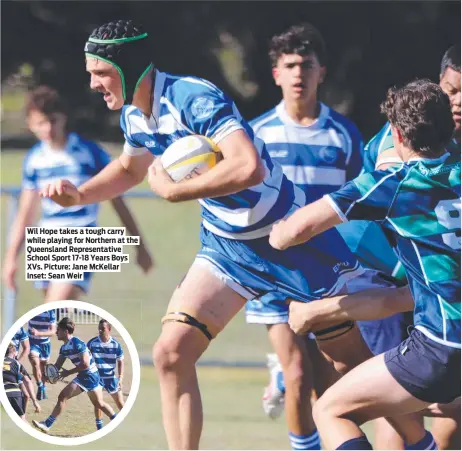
(113, 416)
(428, 442)
(99, 424)
(356, 443)
(49, 421)
(309, 441)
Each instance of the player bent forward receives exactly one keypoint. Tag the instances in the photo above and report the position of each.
(87, 379)
(419, 203)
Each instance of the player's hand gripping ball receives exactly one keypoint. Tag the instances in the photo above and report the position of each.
(52, 373)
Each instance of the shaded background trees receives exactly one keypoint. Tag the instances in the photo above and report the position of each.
(371, 46)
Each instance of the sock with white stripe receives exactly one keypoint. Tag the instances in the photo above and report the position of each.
(428, 442)
(41, 385)
(49, 421)
(309, 441)
(99, 424)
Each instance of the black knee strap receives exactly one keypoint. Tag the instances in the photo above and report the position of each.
(342, 328)
(181, 317)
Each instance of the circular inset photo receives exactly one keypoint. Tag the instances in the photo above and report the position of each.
(71, 372)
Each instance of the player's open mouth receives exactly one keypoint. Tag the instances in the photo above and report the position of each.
(298, 86)
(106, 96)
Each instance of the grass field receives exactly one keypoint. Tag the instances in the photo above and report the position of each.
(232, 396)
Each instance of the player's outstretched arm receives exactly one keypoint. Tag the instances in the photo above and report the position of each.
(27, 210)
(117, 177)
(25, 349)
(362, 306)
(60, 362)
(240, 168)
(305, 223)
(143, 257)
(82, 366)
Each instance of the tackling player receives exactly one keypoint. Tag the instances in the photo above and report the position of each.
(59, 153)
(17, 382)
(242, 197)
(419, 203)
(41, 328)
(108, 354)
(87, 379)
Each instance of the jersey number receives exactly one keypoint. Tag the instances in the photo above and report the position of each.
(448, 215)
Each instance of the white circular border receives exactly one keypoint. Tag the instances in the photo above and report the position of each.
(73, 441)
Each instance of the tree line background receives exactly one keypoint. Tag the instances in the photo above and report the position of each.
(371, 45)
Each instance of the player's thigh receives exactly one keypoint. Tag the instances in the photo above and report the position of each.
(367, 392)
(96, 396)
(70, 391)
(207, 298)
(345, 348)
(63, 292)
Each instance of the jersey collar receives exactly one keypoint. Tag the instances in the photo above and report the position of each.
(317, 124)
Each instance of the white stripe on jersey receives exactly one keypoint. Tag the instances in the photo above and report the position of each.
(314, 175)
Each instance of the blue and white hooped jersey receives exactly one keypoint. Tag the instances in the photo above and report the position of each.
(189, 105)
(73, 349)
(79, 161)
(20, 336)
(42, 322)
(319, 158)
(106, 355)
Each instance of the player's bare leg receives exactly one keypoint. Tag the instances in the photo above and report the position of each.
(446, 422)
(63, 292)
(38, 368)
(118, 399)
(211, 302)
(296, 367)
(365, 393)
(67, 393)
(385, 436)
(96, 397)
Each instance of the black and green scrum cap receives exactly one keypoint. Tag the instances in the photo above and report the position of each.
(127, 55)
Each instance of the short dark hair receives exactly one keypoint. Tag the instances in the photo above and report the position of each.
(421, 111)
(102, 321)
(10, 348)
(67, 324)
(303, 39)
(451, 59)
(46, 100)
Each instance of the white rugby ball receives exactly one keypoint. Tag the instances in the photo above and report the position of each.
(190, 156)
(51, 373)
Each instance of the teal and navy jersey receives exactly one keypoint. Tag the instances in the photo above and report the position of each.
(20, 336)
(73, 350)
(318, 158)
(12, 376)
(419, 203)
(106, 355)
(189, 105)
(42, 322)
(78, 162)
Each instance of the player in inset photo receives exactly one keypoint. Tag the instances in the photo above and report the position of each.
(87, 379)
(41, 328)
(108, 354)
(17, 383)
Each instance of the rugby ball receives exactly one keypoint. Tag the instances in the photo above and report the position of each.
(51, 373)
(189, 157)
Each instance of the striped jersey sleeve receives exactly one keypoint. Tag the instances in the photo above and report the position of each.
(367, 197)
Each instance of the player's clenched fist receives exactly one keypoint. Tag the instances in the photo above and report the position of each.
(279, 238)
(299, 317)
(63, 192)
